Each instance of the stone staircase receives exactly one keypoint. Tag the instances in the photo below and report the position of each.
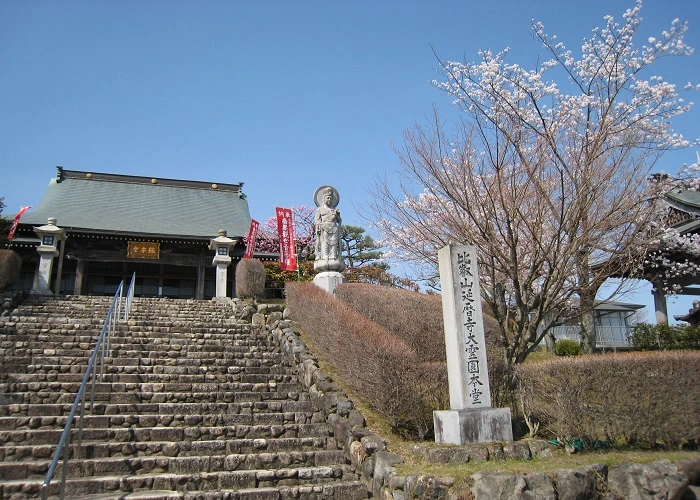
(193, 404)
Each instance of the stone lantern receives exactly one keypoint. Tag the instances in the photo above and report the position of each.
(222, 246)
(50, 236)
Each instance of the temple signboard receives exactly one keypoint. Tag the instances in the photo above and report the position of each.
(143, 250)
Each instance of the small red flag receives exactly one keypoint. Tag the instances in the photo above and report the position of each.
(252, 237)
(15, 223)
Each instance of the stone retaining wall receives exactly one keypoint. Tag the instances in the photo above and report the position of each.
(368, 454)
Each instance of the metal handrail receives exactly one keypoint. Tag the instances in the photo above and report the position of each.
(90, 376)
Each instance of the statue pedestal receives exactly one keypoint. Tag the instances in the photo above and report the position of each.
(471, 426)
(329, 280)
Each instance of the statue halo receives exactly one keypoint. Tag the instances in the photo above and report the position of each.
(320, 192)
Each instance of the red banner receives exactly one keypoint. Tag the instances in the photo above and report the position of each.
(285, 229)
(15, 223)
(252, 237)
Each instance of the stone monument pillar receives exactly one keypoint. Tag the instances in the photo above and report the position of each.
(49, 235)
(221, 246)
(329, 261)
(470, 419)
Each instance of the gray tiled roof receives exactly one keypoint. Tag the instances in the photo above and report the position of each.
(135, 205)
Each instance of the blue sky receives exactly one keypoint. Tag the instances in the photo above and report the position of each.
(283, 96)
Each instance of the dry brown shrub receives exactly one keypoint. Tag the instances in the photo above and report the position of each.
(378, 365)
(651, 398)
(415, 317)
(10, 268)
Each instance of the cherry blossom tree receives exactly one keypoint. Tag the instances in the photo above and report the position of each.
(545, 174)
(672, 257)
(268, 238)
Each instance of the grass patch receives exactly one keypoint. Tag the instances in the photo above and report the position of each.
(560, 460)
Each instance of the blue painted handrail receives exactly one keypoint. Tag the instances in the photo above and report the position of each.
(90, 376)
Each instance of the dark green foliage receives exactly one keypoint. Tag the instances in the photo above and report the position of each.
(663, 337)
(250, 279)
(5, 225)
(567, 347)
(647, 398)
(360, 248)
(10, 267)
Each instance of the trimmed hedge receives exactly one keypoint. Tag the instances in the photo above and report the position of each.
(415, 317)
(10, 268)
(383, 369)
(651, 398)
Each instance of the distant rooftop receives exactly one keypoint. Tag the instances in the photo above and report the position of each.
(97, 202)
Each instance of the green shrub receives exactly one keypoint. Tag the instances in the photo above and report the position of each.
(10, 268)
(663, 337)
(250, 279)
(646, 398)
(567, 347)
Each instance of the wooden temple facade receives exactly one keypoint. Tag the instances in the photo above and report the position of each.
(116, 225)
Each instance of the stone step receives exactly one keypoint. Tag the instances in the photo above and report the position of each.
(200, 447)
(147, 351)
(129, 465)
(148, 387)
(33, 398)
(56, 340)
(170, 409)
(193, 359)
(248, 366)
(153, 378)
(193, 404)
(337, 482)
(172, 434)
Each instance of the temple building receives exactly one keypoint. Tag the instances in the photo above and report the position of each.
(115, 225)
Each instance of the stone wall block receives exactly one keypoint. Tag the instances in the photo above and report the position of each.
(478, 452)
(383, 470)
(496, 451)
(257, 319)
(340, 430)
(660, 479)
(541, 449)
(356, 419)
(691, 468)
(308, 368)
(273, 318)
(517, 450)
(327, 385)
(357, 454)
(368, 470)
(487, 486)
(428, 487)
(576, 484)
(373, 443)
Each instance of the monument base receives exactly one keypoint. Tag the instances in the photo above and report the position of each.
(329, 280)
(325, 265)
(472, 426)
